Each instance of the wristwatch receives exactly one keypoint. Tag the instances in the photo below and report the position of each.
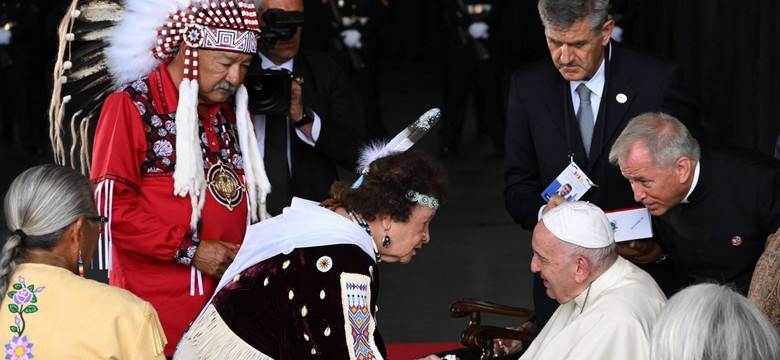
(308, 117)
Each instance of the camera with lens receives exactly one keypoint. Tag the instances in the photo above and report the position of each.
(269, 90)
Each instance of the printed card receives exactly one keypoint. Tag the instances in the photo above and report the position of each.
(630, 224)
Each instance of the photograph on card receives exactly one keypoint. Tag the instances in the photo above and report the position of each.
(571, 184)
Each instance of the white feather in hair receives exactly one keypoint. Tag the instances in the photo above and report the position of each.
(401, 142)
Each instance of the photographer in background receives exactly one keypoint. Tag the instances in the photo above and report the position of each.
(302, 144)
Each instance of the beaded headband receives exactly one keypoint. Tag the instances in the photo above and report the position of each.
(423, 199)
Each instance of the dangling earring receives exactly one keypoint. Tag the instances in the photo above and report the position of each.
(386, 240)
(81, 264)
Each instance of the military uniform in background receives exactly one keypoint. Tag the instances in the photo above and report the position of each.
(349, 31)
(473, 62)
(28, 30)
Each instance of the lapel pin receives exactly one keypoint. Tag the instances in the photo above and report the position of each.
(736, 241)
(621, 98)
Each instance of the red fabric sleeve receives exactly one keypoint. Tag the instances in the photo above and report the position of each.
(119, 148)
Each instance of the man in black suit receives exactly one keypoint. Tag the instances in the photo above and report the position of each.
(544, 112)
(712, 209)
(320, 129)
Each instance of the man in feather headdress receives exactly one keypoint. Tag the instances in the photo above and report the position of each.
(176, 169)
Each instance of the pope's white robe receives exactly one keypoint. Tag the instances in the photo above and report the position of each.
(615, 321)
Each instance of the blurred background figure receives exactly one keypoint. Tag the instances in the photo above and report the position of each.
(709, 321)
(473, 66)
(51, 312)
(28, 44)
(349, 31)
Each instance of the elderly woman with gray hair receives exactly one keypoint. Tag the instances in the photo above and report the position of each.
(714, 322)
(49, 311)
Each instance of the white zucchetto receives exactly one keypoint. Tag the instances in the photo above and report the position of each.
(580, 223)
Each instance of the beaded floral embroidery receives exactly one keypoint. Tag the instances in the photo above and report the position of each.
(23, 295)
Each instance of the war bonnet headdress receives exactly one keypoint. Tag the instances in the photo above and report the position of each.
(108, 45)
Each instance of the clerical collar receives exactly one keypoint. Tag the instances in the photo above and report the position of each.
(695, 181)
(268, 64)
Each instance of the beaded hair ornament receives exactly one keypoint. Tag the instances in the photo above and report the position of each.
(400, 143)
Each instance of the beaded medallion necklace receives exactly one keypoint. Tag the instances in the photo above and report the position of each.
(223, 183)
(357, 219)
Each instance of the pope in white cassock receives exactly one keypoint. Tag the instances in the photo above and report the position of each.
(608, 305)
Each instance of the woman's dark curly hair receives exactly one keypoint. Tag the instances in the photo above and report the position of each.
(389, 178)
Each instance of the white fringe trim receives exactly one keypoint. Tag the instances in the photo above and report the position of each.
(189, 178)
(157, 334)
(210, 338)
(257, 183)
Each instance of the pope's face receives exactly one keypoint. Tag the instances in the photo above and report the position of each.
(554, 265)
(220, 73)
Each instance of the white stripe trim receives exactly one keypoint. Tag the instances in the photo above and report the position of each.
(109, 236)
(192, 280)
(104, 196)
(98, 193)
(200, 283)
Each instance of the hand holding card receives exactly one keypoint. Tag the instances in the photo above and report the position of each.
(570, 184)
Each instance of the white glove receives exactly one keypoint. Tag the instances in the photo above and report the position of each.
(5, 36)
(617, 33)
(352, 38)
(478, 30)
